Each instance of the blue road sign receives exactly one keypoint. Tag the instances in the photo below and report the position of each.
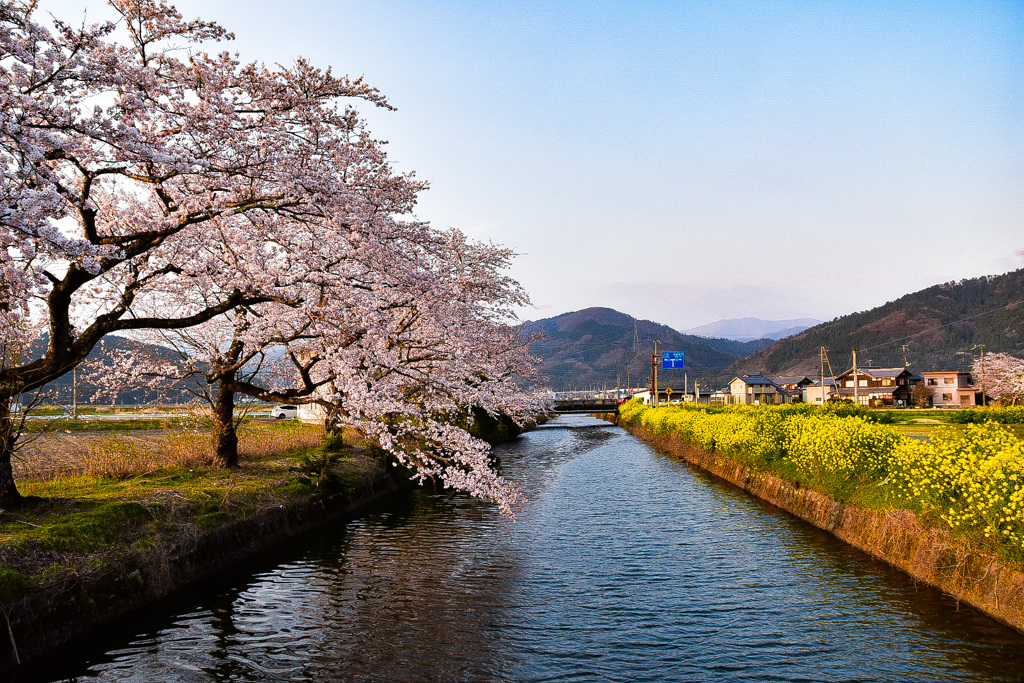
(672, 360)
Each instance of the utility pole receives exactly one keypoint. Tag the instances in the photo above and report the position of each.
(822, 359)
(74, 392)
(856, 393)
(984, 393)
(905, 347)
(984, 396)
(654, 372)
(832, 373)
(654, 394)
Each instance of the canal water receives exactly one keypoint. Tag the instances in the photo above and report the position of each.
(626, 565)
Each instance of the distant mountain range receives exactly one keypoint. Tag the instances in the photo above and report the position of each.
(601, 347)
(942, 327)
(750, 329)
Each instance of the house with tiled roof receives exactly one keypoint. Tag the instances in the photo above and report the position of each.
(795, 383)
(878, 386)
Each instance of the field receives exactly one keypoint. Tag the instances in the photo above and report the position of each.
(61, 448)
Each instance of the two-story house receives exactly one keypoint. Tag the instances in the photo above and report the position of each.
(951, 389)
(758, 390)
(878, 386)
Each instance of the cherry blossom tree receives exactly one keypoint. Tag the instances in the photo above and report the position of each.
(153, 192)
(429, 358)
(121, 160)
(1001, 376)
(405, 354)
(211, 362)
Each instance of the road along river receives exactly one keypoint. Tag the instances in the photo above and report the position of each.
(626, 565)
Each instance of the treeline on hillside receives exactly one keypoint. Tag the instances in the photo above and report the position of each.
(102, 357)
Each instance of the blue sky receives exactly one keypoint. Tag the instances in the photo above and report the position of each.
(685, 161)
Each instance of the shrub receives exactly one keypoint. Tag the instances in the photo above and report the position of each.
(1002, 415)
(972, 480)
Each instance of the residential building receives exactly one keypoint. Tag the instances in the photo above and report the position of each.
(792, 384)
(878, 386)
(817, 393)
(663, 396)
(951, 389)
(758, 390)
(702, 397)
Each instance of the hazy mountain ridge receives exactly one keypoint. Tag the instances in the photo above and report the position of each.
(935, 323)
(594, 347)
(749, 329)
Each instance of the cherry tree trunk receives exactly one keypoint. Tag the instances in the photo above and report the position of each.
(332, 422)
(225, 438)
(10, 499)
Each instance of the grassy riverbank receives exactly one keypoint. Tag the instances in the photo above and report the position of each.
(967, 478)
(102, 497)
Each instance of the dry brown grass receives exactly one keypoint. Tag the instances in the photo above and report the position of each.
(257, 441)
(46, 457)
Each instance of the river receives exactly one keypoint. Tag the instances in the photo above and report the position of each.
(626, 565)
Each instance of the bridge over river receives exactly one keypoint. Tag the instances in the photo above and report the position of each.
(583, 402)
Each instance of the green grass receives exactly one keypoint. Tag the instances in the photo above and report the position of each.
(89, 529)
(14, 585)
(82, 523)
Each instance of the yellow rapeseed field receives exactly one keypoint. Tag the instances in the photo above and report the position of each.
(970, 479)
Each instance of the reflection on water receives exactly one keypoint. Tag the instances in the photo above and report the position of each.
(625, 566)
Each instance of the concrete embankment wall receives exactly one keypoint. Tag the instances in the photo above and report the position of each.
(932, 556)
(58, 614)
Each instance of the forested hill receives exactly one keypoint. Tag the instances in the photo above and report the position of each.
(595, 347)
(59, 391)
(935, 324)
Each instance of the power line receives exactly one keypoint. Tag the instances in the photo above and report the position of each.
(944, 325)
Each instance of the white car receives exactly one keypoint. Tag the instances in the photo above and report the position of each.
(285, 413)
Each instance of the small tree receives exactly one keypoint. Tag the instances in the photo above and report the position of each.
(921, 395)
